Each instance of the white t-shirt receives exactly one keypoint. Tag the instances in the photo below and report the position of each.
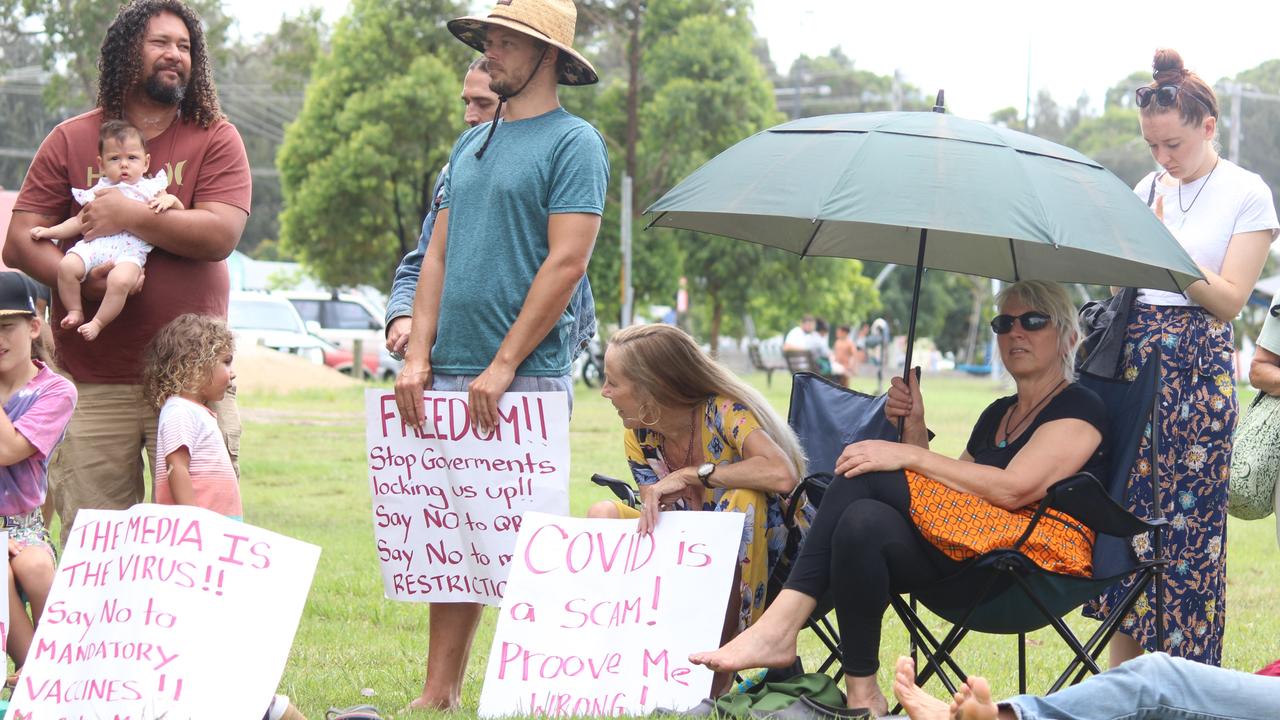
(1232, 200)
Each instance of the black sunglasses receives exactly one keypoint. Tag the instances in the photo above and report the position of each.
(1165, 96)
(1030, 321)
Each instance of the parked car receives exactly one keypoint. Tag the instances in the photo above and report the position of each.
(266, 319)
(340, 318)
(342, 360)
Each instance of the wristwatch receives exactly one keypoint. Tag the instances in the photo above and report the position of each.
(704, 474)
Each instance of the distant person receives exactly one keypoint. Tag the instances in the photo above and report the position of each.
(188, 368)
(37, 404)
(845, 352)
(123, 161)
(1225, 218)
(800, 337)
(512, 239)
(155, 74)
(1156, 686)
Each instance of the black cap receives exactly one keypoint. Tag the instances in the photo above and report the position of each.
(15, 295)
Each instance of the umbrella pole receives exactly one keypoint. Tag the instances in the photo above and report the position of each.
(911, 322)
(915, 304)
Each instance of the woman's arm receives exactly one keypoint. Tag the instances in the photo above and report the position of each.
(180, 476)
(763, 467)
(1225, 293)
(1057, 449)
(1264, 371)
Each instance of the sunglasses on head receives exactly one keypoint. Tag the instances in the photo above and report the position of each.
(1030, 321)
(1165, 96)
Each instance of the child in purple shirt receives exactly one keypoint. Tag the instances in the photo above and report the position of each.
(37, 405)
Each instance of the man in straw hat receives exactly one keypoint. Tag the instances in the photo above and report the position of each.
(514, 232)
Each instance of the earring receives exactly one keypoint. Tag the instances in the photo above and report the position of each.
(647, 423)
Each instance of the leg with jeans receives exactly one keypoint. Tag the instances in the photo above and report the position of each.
(1158, 686)
(99, 462)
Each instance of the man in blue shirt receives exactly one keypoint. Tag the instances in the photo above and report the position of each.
(480, 103)
(517, 222)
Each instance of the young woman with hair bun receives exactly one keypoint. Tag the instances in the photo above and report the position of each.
(1225, 218)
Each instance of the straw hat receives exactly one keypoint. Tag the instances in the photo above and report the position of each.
(551, 21)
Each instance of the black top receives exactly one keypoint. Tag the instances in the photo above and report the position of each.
(1075, 401)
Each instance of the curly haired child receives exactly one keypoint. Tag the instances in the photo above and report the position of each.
(188, 366)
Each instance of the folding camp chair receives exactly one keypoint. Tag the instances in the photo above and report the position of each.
(826, 416)
(1003, 592)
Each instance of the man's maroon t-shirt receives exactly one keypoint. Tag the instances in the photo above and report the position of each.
(204, 165)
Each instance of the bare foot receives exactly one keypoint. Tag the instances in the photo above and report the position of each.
(758, 646)
(89, 330)
(919, 704)
(73, 319)
(973, 702)
(425, 703)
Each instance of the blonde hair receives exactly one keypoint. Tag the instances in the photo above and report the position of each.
(182, 356)
(1051, 299)
(665, 364)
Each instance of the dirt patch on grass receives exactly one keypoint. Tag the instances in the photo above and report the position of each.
(260, 369)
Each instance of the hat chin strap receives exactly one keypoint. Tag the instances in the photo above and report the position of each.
(502, 100)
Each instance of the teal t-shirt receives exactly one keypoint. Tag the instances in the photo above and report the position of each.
(498, 211)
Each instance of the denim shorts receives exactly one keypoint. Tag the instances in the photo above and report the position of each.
(521, 383)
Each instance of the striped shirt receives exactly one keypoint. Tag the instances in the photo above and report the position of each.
(187, 424)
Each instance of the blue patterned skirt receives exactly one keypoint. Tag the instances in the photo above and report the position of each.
(1198, 411)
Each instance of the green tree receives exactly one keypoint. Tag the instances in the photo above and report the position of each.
(377, 124)
(261, 85)
(709, 93)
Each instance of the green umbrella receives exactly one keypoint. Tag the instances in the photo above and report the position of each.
(930, 190)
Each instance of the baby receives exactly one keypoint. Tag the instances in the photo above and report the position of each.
(122, 160)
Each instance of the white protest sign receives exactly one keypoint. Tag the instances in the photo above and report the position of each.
(447, 499)
(165, 611)
(600, 621)
(4, 602)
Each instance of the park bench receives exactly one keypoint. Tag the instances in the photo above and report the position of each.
(807, 361)
(759, 362)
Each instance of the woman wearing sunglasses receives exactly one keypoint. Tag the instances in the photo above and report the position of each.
(1225, 218)
(904, 517)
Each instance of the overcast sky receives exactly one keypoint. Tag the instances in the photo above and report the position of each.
(978, 50)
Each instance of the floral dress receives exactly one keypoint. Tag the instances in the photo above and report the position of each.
(1198, 411)
(725, 428)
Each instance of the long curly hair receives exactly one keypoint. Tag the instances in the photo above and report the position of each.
(182, 356)
(120, 62)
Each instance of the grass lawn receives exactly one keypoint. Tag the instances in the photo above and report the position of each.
(304, 475)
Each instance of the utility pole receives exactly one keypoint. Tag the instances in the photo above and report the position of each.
(628, 293)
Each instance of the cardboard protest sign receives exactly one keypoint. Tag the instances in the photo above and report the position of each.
(600, 621)
(165, 611)
(447, 498)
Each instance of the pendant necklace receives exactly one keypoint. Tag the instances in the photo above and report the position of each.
(1187, 209)
(1016, 427)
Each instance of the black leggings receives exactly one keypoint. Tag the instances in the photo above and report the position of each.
(862, 547)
